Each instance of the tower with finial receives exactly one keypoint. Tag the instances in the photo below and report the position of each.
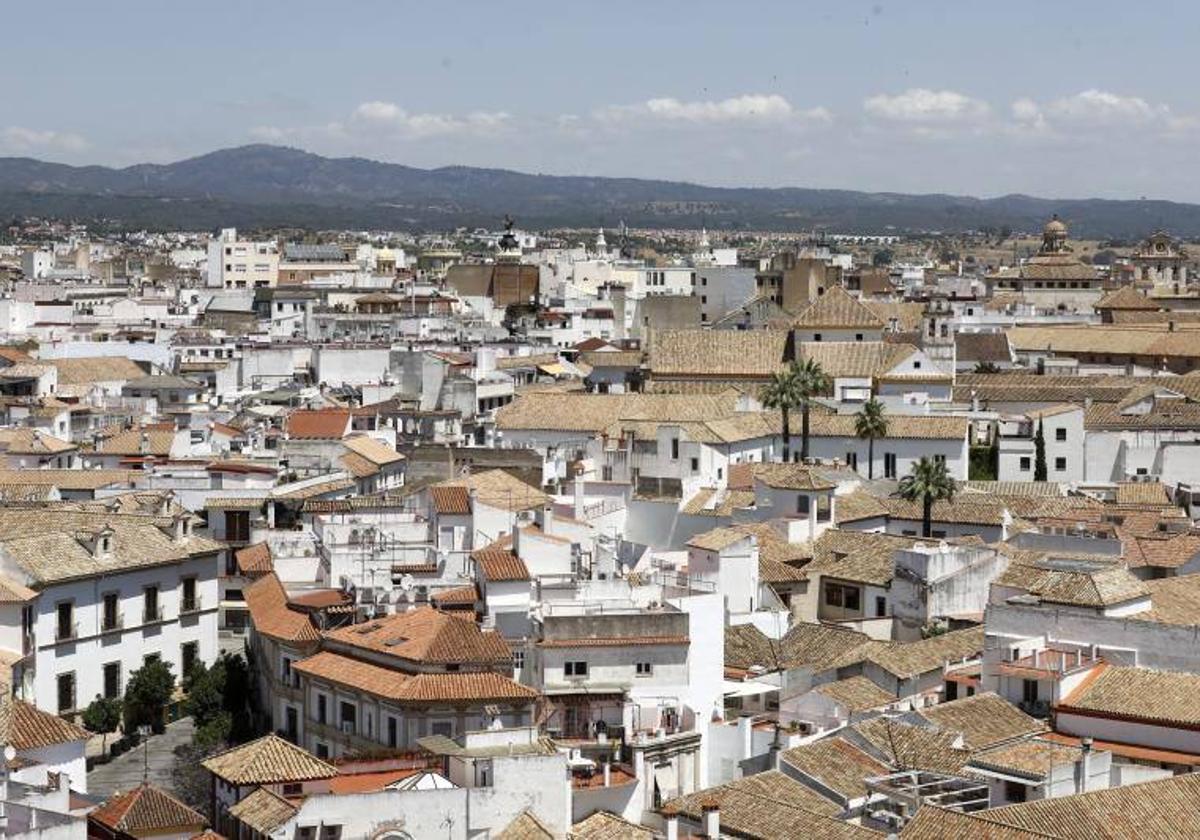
(601, 242)
(508, 247)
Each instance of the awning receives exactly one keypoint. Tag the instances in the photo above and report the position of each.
(667, 780)
(748, 688)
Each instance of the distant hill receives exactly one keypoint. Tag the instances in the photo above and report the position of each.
(262, 185)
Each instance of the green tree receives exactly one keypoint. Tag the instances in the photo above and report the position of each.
(781, 393)
(147, 694)
(103, 716)
(1039, 451)
(810, 381)
(882, 257)
(929, 481)
(871, 423)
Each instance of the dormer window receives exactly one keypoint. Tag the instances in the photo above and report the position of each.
(104, 544)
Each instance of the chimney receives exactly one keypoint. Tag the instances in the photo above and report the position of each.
(578, 497)
(1084, 767)
(710, 811)
(745, 725)
(671, 816)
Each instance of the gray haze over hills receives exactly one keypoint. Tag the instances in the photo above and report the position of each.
(264, 185)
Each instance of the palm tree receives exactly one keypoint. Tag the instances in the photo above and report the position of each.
(780, 393)
(870, 423)
(929, 481)
(810, 381)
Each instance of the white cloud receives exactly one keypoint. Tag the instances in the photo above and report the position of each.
(750, 107)
(922, 105)
(1104, 107)
(388, 115)
(19, 139)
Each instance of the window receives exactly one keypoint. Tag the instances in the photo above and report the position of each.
(110, 619)
(392, 736)
(695, 465)
(674, 449)
(1015, 792)
(880, 606)
(889, 465)
(348, 716)
(189, 601)
(816, 336)
(322, 715)
(575, 668)
(917, 364)
(292, 789)
(1060, 435)
(644, 669)
(66, 621)
(189, 656)
(1060, 464)
(852, 460)
(150, 609)
(151, 657)
(518, 659)
(845, 597)
(858, 336)
(1026, 463)
(939, 459)
(1029, 691)
(112, 679)
(802, 504)
(322, 750)
(237, 525)
(66, 692)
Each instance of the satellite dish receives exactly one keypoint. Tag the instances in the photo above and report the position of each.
(10, 753)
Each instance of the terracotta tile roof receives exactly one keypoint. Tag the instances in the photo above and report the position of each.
(499, 564)
(820, 646)
(909, 747)
(450, 501)
(1175, 600)
(907, 314)
(158, 442)
(320, 598)
(856, 358)
(984, 720)
(1142, 493)
(910, 659)
(934, 823)
(791, 477)
(1126, 297)
(268, 605)
(458, 687)
(24, 441)
(263, 811)
(86, 370)
(468, 594)
(859, 556)
(147, 810)
(982, 347)
(375, 451)
(605, 826)
(771, 806)
(499, 489)
(319, 424)
(357, 465)
(254, 559)
(747, 647)
(1030, 757)
(268, 760)
(1151, 810)
(717, 353)
(12, 592)
(309, 491)
(856, 694)
(836, 764)
(73, 479)
(525, 826)
(718, 539)
(26, 727)
(711, 501)
(836, 309)
(367, 782)
(1138, 694)
(426, 635)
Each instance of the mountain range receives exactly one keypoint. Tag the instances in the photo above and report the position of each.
(275, 186)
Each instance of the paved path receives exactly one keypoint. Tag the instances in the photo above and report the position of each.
(126, 771)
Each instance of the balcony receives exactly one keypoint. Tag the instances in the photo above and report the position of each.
(112, 623)
(347, 727)
(189, 605)
(152, 615)
(66, 632)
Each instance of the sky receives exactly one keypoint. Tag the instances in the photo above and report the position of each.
(1056, 99)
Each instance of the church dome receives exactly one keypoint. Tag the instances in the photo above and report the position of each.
(1054, 227)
